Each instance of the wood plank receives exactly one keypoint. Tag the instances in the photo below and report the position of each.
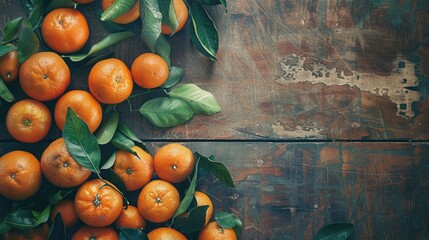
(290, 190)
(291, 70)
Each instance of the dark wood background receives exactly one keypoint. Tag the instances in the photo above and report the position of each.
(325, 113)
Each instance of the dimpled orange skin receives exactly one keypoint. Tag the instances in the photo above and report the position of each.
(165, 233)
(20, 175)
(44, 76)
(131, 218)
(128, 17)
(158, 201)
(149, 70)
(181, 14)
(83, 104)
(174, 162)
(95, 233)
(68, 213)
(60, 168)
(213, 231)
(65, 30)
(9, 66)
(110, 81)
(28, 121)
(97, 204)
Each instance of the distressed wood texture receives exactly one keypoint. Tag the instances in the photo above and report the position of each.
(290, 190)
(293, 69)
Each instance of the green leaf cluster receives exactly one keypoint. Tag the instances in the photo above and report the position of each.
(335, 231)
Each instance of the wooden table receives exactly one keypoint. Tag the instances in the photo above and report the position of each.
(325, 114)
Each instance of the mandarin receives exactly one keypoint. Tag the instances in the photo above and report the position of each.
(95, 233)
(130, 217)
(174, 162)
(149, 70)
(128, 17)
(213, 231)
(44, 76)
(165, 233)
(68, 213)
(158, 201)
(204, 200)
(65, 30)
(181, 14)
(60, 168)
(20, 175)
(28, 121)
(83, 104)
(110, 81)
(9, 66)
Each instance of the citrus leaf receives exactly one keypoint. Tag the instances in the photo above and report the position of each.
(335, 231)
(122, 142)
(194, 222)
(25, 218)
(229, 220)
(106, 42)
(6, 48)
(109, 25)
(174, 76)
(36, 14)
(151, 18)
(109, 163)
(197, 44)
(58, 195)
(204, 30)
(118, 8)
(216, 168)
(166, 111)
(107, 129)
(124, 129)
(163, 49)
(132, 234)
(199, 100)
(28, 43)
(59, 4)
(81, 143)
(189, 194)
(5, 93)
(168, 14)
(10, 29)
(57, 230)
(113, 178)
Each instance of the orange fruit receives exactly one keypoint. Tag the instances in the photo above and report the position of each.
(28, 121)
(158, 201)
(67, 210)
(165, 233)
(173, 162)
(84, 1)
(98, 204)
(37, 233)
(9, 66)
(135, 172)
(204, 200)
(83, 104)
(60, 168)
(95, 233)
(149, 70)
(20, 175)
(181, 14)
(213, 231)
(44, 76)
(110, 81)
(128, 17)
(65, 30)
(131, 218)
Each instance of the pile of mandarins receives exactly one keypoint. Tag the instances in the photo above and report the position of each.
(97, 206)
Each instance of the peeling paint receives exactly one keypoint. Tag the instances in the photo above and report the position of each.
(396, 87)
(299, 132)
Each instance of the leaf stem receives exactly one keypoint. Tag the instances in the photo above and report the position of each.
(146, 92)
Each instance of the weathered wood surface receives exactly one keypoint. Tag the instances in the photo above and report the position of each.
(290, 190)
(293, 69)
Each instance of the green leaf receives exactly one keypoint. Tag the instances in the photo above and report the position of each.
(174, 76)
(109, 26)
(103, 44)
(55, 197)
(166, 111)
(163, 49)
(229, 220)
(54, 4)
(118, 8)
(151, 18)
(132, 234)
(168, 14)
(25, 218)
(5, 93)
(36, 14)
(203, 32)
(216, 168)
(194, 222)
(107, 129)
(57, 230)
(335, 231)
(4, 227)
(81, 143)
(124, 129)
(113, 178)
(109, 163)
(28, 43)
(120, 141)
(199, 100)
(10, 29)
(6, 48)
(190, 192)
